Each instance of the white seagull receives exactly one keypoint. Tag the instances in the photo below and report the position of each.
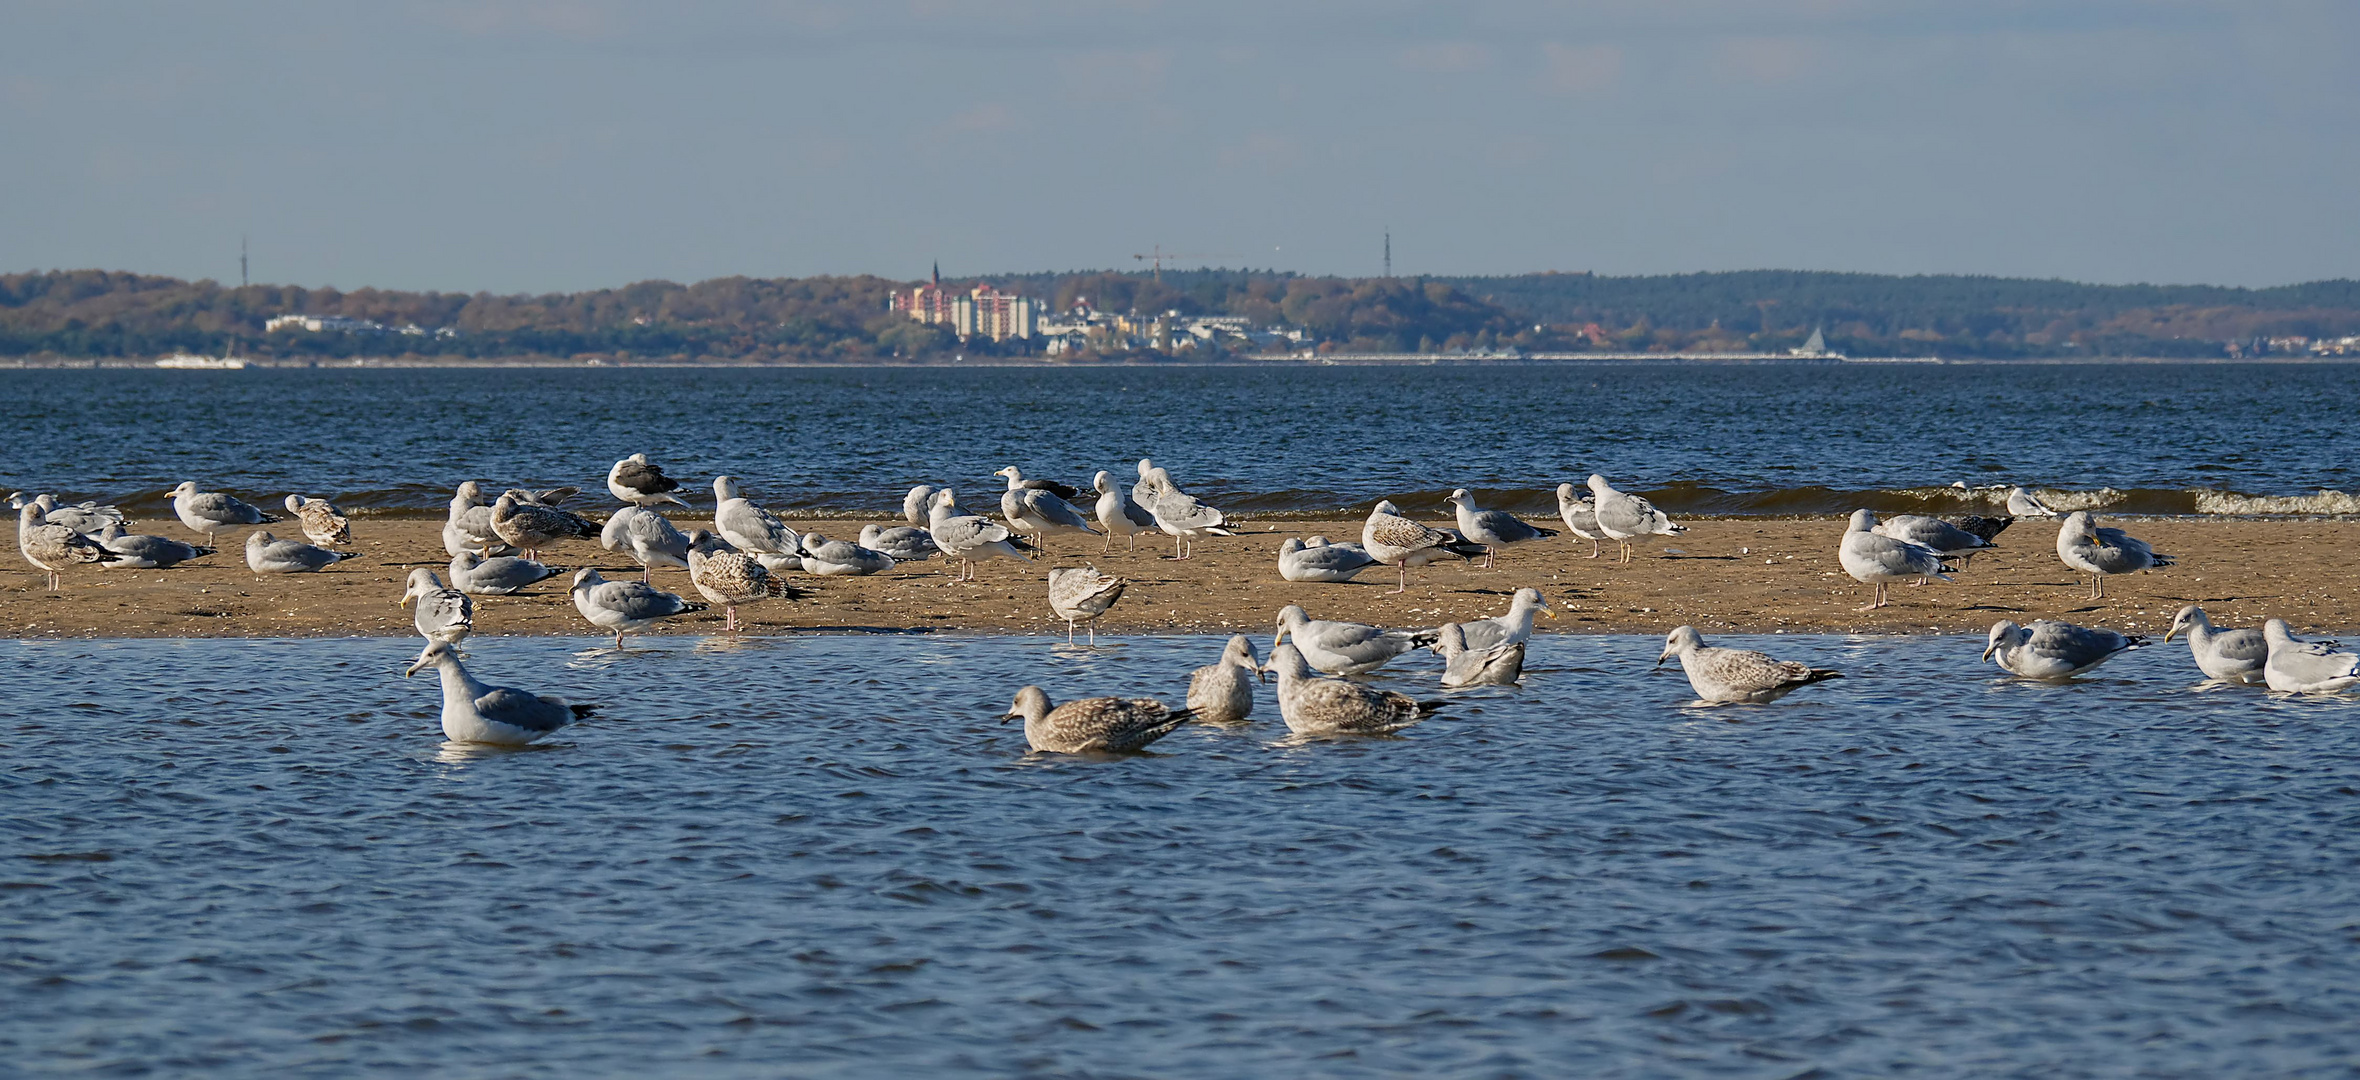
(474, 711)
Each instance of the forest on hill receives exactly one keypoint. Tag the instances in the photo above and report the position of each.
(99, 313)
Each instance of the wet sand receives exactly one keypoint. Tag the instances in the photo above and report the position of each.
(1746, 575)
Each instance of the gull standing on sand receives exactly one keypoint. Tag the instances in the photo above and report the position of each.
(904, 543)
(1494, 529)
(212, 512)
(87, 517)
(748, 527)
(1580, 516)
(1178, 513)
(51, 547)
(1389, 537)
(1312, 705)
(140, 552)
(837, 558)
(968, 538)
(2051, 650)
(267, 554)
(649, 537)
(1034, 507)
(1302, 560)
(1082, 595)
(1222, 692)
(444, 614)
(1625, 518)
(1512, 628)
(499, 575)
(624, 607)
(1984, 528)
(1946, 539)
(2296, 666)
(322, 523)
(1741, 676)
(1118, 514)
(634, 481)
(1877, 560)
(1102, 725)
(1343, 648)
(2088, 549)
(529, 527)
(1500, 665)
(477, 712)
(470, 524)
(731, 578)
(2234, 656)
(2024, 504)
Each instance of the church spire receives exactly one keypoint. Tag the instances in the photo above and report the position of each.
(938, 273)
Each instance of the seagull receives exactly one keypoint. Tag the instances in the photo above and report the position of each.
(836, 558)
(1081, 596)
(1389, 537)
(212, 513)
(968, 538)
(2085, 547)
(1494, 529)
(916, 504)
(904, 543)
(1947, 540)
(1106, 725)
(530, 527)
(1737, 675)
(138, 552)
(648, 537)
(2235, 656)
(1222, 692)
(2054, 650)
(634, 481)
(499, 575)
(1580, 516)
(480, 713)
(2296, 666)
(1988, 528)
(444, 614)
(267, 554)
(1299, 560)
(1312, 705)
(1035, 507)
(746, 526)
(1176, 512)
(1500, 665)
(625, 607)
(1118, 513)
(50, 547)
(323, 524)
(1513, 628)
(470, 524)
(1343, 648)
(731, 578)
(2022, 503)
(1877, 560)
(87, 518)
(1624, 518)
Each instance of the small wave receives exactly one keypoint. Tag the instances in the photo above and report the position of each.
(2325, 501)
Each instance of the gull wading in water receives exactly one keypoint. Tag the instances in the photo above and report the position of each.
(267, 554)
(499, 575)
(1118, 514)
(1499, 665)
(1081, 596)
(52, 547)
(2086, 548)
(213, 513)
(2233, 656)
(1102, 725)
(2296, 666)
(968, 538)
(444, 614)
(1222, 692)
(2050, 650)
(1580, 516)
(1742, 676)
(140, 552)
(1312, 705)
(1876, 560)
(476, 712)
(1512, 628)
(1036, 507)
(1343, 648)
(624, 607)
(1494, 529)
(1625, 518)
(322, 523)
(634, 481)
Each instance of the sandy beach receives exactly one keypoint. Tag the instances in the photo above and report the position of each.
(1746, 575)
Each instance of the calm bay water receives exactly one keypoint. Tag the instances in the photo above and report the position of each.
(822, 856)
(2136, 438)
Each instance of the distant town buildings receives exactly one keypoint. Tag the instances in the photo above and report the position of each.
(345, 324)
(2295, 346)
(986, 312)
(980, 312)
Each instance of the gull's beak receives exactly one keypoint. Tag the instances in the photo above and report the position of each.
(2167, 635)
(1660, 659)
(1545, 609)
(1262, 674)
(403, 602)
(1010, 716)
(1987, 649)
(414, 668)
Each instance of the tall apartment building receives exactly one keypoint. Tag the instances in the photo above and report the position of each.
(983, 311)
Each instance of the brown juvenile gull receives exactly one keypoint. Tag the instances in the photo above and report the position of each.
(139, 552)
(624, 606)
(529, 527)
(1388, 537)
(634, 481)
(2296, 666)
(2085, 547)
(1500, 665)
(322, 523)
(1737, 675)
(731, 578)
(1104, 725)
(1222, 692)
(1313, 705)
(444, 614)
(477, 712)
(52, 547)
(2233, 656)
(213, 513)
(1580, 516)
(1624, 517)
(1494, 529)
(2053, 650)
(966, 537)
(1035, 507)
(1081, 596)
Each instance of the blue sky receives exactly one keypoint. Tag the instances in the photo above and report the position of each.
(554, 146)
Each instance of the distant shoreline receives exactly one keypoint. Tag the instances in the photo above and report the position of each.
(1345, 360)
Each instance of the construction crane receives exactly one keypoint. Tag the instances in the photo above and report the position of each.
(1157, 257)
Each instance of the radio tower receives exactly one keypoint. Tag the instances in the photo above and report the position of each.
(1388, 251)
(242, 282)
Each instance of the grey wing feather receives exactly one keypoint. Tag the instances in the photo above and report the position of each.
(518, 709)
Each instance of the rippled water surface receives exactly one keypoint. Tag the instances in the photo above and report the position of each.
(823, 856)
(1797, 438)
